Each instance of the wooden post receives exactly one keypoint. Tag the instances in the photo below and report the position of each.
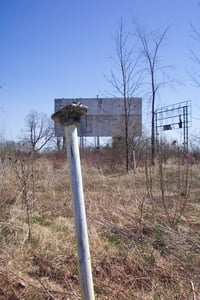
(69, 117)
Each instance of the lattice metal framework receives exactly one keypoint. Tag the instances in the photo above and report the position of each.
(175, 116)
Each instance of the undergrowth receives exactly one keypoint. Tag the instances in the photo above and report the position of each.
(142, 245)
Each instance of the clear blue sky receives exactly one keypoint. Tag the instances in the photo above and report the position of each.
(61, 48)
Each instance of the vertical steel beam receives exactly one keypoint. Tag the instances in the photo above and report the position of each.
(185, 127)
(69, 117)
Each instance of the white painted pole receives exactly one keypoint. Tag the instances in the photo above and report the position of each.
(134, 162)
(70, 118)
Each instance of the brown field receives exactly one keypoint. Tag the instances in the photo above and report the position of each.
(144, 230)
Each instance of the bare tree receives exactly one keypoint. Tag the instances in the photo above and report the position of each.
(38, 132)
(125, 78)
(150, 46)
(195, 75)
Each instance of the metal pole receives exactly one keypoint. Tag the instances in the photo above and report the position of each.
(134, 162)
(187, 128)
(69, 117)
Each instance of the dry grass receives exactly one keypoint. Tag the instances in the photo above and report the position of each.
(137, 251)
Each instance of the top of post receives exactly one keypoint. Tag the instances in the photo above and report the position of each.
(70, 114)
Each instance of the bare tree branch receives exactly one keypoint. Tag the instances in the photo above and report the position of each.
(125, 78)
(150, 47)
(194, 74)
(39, 130)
